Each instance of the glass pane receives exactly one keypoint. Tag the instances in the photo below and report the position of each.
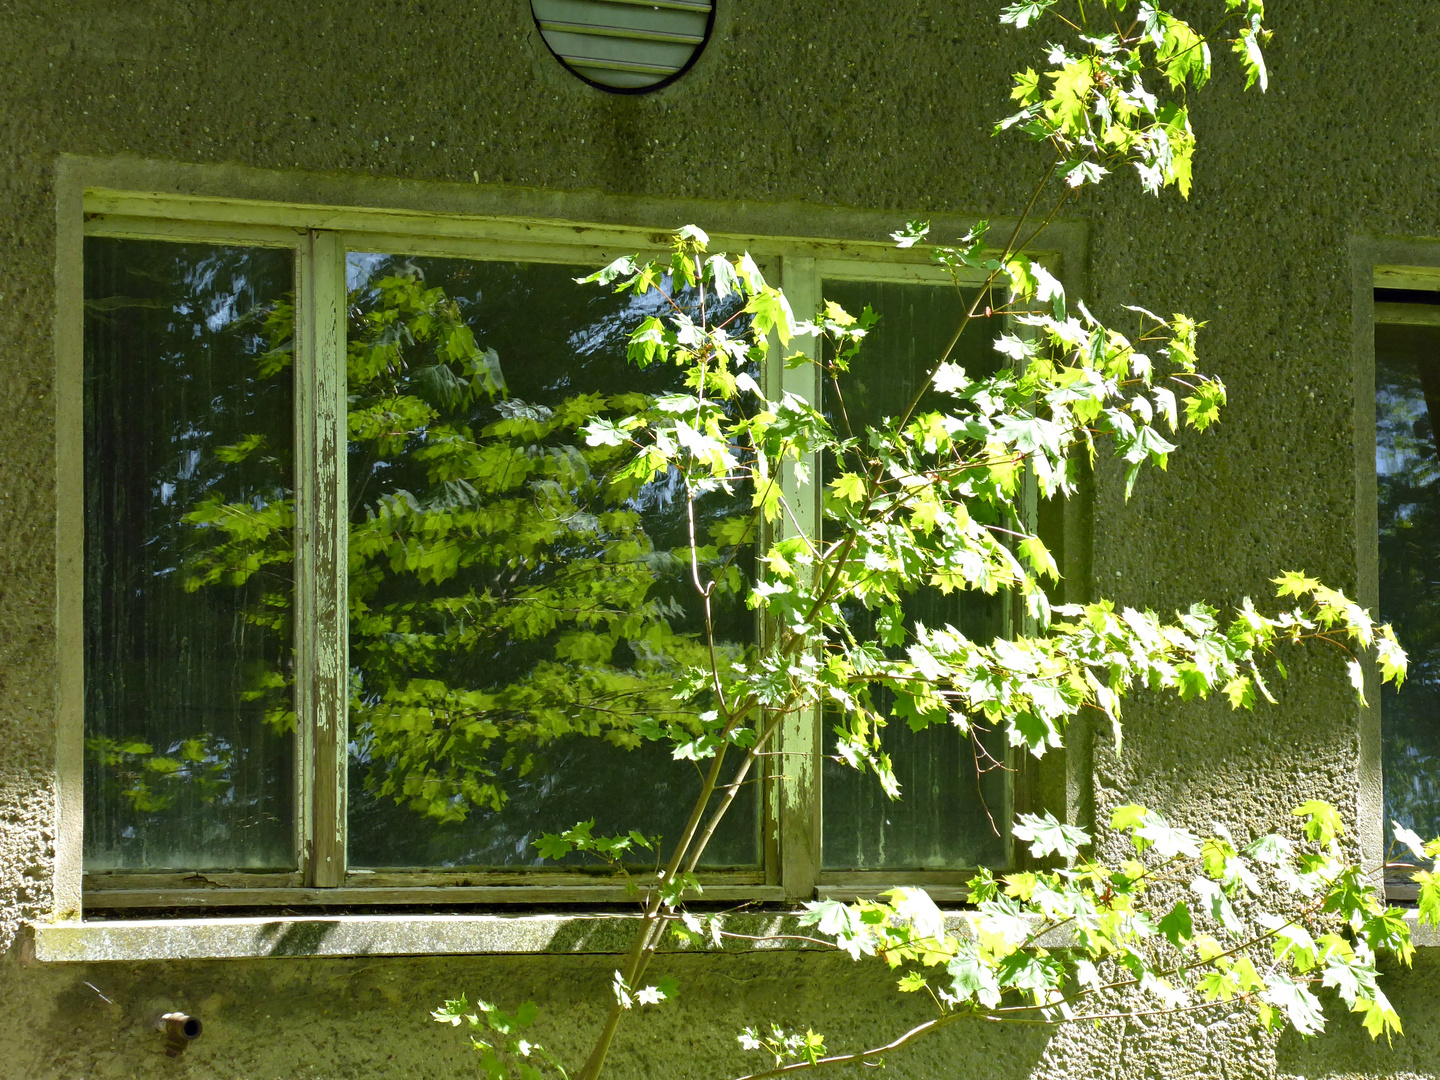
(954, 806)
(512, 614)
(189, 745)
(1407, 466)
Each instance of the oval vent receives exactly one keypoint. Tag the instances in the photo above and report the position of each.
(625, 45)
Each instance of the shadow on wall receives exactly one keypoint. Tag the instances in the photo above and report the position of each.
(295, 939)
(279, 1019)
(1346, 1049)
(622, 138)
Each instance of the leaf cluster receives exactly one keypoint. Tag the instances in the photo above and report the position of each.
(1091, 101)
(1190, 923)
(505, 1052)
(935, 499)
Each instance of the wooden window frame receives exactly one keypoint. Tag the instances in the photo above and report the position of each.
(320, 236)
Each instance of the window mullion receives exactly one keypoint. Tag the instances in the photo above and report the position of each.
(322, 520)
(798, 795)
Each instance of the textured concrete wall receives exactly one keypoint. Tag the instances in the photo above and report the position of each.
(841, 102)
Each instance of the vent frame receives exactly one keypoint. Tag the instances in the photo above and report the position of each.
(625, 46)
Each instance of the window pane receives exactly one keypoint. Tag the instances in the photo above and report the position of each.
(512, 615)
(1407, 466)
(188, 588)
(950, 788)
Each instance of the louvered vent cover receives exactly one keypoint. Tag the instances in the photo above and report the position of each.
(626, 45)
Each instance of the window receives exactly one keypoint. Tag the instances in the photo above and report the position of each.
(361, 615)
(953, 786)
(1407, 467)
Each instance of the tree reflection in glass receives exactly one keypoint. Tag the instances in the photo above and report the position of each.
(1407, 466)
(517, 611)
(189, 721)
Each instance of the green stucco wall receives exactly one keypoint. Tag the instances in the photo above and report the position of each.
(868, 104)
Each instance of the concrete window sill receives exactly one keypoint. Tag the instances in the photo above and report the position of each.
(363, 935)
(412, 935)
